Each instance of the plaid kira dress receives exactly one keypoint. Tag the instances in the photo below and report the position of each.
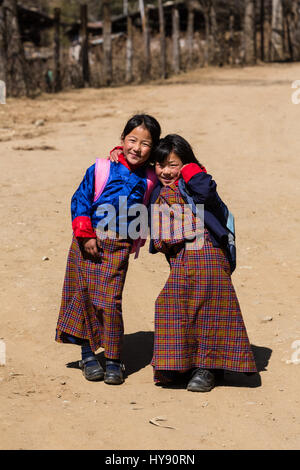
(91, 306)
(198, 322)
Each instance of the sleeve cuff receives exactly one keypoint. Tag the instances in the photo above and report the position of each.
(82, 227)
(191, 170)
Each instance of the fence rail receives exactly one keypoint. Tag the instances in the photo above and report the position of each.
(148, 43)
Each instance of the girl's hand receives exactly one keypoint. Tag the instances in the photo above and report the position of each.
(91, 247)
(184, 166)
(114, 154)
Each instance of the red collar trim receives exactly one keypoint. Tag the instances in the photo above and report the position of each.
(124, 162)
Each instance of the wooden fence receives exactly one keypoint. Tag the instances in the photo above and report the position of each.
(149, 43)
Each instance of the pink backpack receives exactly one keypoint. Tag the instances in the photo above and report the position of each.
(102, 169)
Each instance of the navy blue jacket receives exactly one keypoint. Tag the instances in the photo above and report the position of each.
(203, 190)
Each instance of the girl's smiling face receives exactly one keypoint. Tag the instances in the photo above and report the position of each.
(169, 170)
(137, 146)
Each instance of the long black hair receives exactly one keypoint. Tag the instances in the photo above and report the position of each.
(147, 121)
(177, 144)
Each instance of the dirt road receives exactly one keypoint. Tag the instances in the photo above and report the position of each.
(245, 129)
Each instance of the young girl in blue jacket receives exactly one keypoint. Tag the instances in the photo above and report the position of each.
(91, 308)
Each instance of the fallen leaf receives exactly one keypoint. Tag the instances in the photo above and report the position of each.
(156, 422)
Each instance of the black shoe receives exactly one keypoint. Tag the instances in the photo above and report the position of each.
(92, 372)
(202, 380)
(114, 373)
(219, 375)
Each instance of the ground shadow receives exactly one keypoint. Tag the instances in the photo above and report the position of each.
(137, 352)
(235, 379)
(261, 356)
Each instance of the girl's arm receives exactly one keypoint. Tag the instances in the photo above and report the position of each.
(200, 183)
(114, 153)
(81, 206)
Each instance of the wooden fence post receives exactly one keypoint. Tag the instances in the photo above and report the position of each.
(277, 35)
(57, 72)
(262, 30)
(231, 38)
(129, 43)
(107, 43)
(268, 33)
(163, 52)
(249, 33)
(293, 24)
(145, 28)
(175, 39)
(206, 13)
(190, 32)
(85, 44)
(216, 42)
(3, 55)
(14, 67)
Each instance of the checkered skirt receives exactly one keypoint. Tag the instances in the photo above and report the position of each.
(91, 306)
(198, 321)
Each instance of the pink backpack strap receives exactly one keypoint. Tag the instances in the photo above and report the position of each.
(102, 169)
(151, 182)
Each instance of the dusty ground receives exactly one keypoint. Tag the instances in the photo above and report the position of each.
(245, 130)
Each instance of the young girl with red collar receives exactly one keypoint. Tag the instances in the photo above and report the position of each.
(199, 329)
(91, 310)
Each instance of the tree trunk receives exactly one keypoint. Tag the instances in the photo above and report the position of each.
(249, 33)
(277, 38)
(163, 52)
(107, 43)
(85, 45)
(129, 43)
(147, 54)
(175, 39)
(14, 70)
(190, 32)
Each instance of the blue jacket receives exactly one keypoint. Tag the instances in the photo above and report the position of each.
(121, 182)
(202, 189)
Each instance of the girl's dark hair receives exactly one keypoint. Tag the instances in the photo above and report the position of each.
(149, 122)
(177, 144)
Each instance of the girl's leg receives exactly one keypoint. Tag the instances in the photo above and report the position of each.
(89, 364)
(115, 260)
